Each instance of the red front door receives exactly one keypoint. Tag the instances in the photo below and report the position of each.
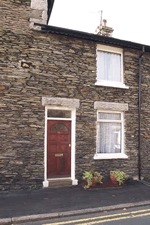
(58, 148)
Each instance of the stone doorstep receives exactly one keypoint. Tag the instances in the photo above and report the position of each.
(60, 183)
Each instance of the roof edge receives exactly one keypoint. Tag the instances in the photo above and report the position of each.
(92, 37)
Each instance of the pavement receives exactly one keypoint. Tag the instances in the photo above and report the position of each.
(32, 205)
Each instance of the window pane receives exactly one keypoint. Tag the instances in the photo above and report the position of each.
(59, 113)
(109, 116)
(108, 66)
(109, 137)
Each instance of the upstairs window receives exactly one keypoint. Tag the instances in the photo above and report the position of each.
(110, 66)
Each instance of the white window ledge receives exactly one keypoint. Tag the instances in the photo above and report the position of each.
(110, 156)
(115, 85)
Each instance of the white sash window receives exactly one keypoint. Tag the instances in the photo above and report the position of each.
(110, 67)
(110, 135)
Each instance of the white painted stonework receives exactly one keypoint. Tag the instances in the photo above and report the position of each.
(39, 4)
(61, 104)
(111, 106)
(42, 7)
(65, 102)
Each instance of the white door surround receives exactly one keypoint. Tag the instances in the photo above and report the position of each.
(61, 104)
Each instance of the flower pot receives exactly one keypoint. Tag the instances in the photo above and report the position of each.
(113, 179)
(95, 180)
(84, 183)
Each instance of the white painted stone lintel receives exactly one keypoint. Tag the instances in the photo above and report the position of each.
(111, 106)
(64, 102)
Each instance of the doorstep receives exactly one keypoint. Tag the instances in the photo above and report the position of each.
(59, 182)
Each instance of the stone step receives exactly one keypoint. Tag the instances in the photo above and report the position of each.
(60, 183)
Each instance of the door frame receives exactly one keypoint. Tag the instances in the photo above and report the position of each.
(73, 136)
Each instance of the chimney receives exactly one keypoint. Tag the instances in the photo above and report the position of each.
(39, 10)
(104, 23)
(104, 30)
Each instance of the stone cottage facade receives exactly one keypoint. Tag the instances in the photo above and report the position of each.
(59, 115)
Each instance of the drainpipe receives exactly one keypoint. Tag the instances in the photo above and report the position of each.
(140, 89)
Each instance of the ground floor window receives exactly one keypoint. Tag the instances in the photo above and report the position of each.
(110, 135)
(110, 131)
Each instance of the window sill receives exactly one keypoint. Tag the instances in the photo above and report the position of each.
(115, 85)
(111, 156)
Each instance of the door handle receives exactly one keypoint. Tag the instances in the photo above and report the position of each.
(69, 145)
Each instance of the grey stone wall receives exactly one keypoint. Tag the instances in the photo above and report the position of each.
(34, 65)
(145, 117)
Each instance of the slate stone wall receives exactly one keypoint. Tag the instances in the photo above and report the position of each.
(34, 65)
(145, 117)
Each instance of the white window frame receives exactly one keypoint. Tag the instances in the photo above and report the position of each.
(111, 155)
(121, 84)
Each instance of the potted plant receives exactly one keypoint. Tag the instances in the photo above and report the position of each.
(118, 176)
(91, 178)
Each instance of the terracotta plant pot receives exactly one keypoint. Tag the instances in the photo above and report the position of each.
(94, 182)
(113, 179)
(84, 183)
